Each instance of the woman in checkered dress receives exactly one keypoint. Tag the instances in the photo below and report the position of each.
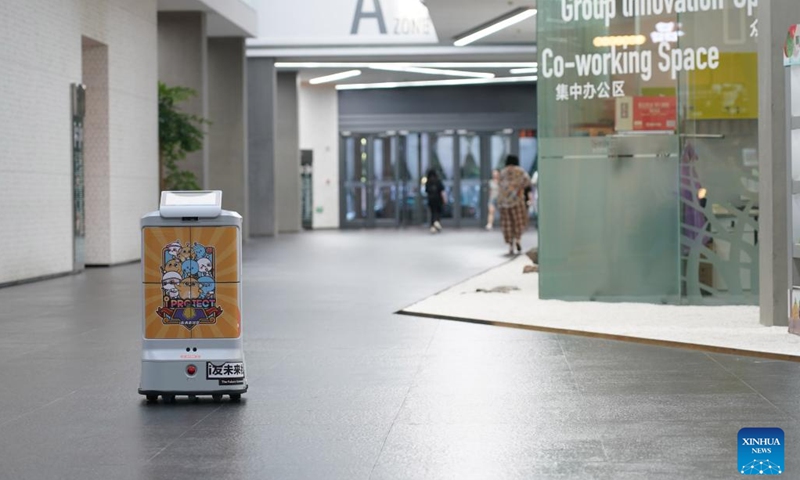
(512, 202)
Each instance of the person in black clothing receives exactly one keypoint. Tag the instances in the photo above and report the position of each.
(434, 188)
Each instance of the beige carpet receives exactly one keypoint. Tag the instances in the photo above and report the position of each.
(733, 329)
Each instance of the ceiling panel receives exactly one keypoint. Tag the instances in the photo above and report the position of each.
(455, 17)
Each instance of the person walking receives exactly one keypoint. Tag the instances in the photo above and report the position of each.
(494, 191)
(434, 188)
(513, 203)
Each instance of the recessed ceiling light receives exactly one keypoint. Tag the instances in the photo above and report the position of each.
(431, 71)
(435, 83)
(335, 77)
(511, 18)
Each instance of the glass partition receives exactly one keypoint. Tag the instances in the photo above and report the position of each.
(611, 230)
(470, 177)
(718, 108)
(647, 153)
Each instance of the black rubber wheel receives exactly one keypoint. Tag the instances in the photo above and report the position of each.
(152, 398)
(235, 397)
(217, 397)
(192, 398)
(168, 398)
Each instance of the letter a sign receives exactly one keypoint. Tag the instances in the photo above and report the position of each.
(344, 22)
(377, 14)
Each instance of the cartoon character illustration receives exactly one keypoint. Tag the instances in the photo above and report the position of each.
(170, 282)
(205, 266)
(187, 288)
(207, 286)
(173, 265)
(190, 268)
(188, 285)
(174, 248)
(186, 253)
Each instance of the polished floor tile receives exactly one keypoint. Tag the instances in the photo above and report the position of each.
(342, 388)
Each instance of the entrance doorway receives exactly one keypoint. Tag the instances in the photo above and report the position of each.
(383, 175)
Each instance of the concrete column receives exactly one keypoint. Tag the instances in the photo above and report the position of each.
(775, 253)
(227, 133)
(287, 155)
(183, 61)
(261, 98)
(97, 170)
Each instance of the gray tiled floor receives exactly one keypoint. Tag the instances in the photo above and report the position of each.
(342, 388)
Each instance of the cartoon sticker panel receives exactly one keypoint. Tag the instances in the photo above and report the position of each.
(185, 295)
(154, 325)
(158, 243)
(227, 325)
(224, 241)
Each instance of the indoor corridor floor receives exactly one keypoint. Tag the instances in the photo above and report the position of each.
(341, 388)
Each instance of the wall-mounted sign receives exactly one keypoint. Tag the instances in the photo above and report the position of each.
(646, 114)
(727, 92)
(655, 113)
(343, 22)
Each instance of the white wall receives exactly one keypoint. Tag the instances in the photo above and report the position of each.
(330, 22)
(39, 59)
(319, 132)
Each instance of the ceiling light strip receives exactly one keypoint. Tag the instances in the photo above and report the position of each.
(311, 65)
(436, 83)
(335, 77)
(431, 71)
(518, 71)
(495, 26)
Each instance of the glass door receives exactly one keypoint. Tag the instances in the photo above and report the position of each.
(440, 156)
(354, 201)
(412, 210)
(471, 200)
(383, 174)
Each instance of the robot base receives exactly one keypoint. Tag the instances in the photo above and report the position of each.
(169, 397)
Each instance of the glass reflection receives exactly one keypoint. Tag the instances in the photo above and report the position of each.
(385, 189)
(442, 159)
(470, 169)
(355, 198)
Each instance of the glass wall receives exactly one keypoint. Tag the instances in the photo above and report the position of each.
(647, 151)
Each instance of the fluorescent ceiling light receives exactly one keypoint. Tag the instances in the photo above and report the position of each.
(495, 26)
(435, 83)
(431, 71)
(405, 64)
(517, 71)
(334, 77)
